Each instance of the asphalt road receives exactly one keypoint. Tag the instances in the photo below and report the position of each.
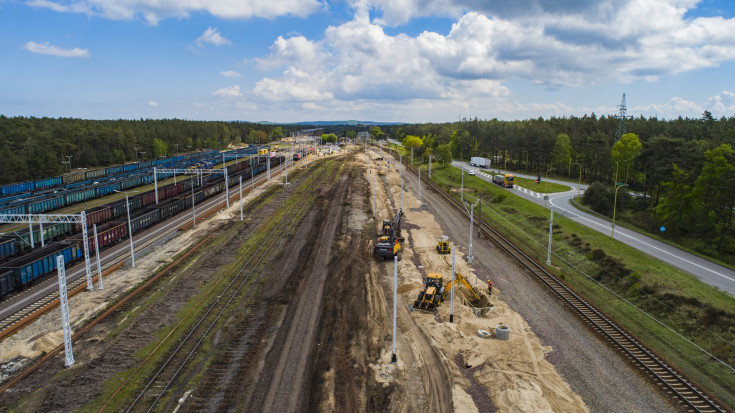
(707, 271)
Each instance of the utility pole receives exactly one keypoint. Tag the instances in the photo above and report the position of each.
(394, 359)
(64, 304)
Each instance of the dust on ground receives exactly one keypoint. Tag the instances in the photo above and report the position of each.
(485, 373)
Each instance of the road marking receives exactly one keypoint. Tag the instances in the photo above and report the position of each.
(551, 201)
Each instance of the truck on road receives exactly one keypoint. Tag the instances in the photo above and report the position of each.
(481, 162)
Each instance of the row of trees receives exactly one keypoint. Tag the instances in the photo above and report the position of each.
(33, 148)
(682, 171)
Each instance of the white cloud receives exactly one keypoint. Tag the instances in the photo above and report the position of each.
(722, 104)
(230, 73)
(228, 92)
(153, 103)
(212, 36)
(46, 48)
(297, 49)
(154, 11)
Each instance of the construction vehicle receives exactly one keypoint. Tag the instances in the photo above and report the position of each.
(433, 293)
(386, 227)
(459, 277)
(391, 245)
(442, 245)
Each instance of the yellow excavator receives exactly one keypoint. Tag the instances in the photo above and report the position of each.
(386, 227)
(435, 292)
(460, 278)
(391, 245)
(442, 245)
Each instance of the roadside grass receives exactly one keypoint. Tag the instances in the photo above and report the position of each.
(541, 186)
(611, 275)
(140, 378)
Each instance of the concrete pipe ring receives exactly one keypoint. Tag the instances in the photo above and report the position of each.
(502, 332)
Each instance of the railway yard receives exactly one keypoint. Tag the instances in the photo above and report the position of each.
(287, 310)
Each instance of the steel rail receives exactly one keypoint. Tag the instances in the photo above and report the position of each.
(273, 237)
(685, 392)
(30, 312)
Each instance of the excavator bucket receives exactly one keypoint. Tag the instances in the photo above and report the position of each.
(427, 300)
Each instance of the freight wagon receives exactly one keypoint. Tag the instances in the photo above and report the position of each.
(107, 234)
(95, 216)
(172, 207)
(48, 204)
(78, 196)
(50, 232)
(16, 188)
(145, 219)
(47, 182)
(31, 267)
(7, 247)
(94, 174)
(72, 177)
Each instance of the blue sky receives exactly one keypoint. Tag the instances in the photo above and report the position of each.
(380, 60)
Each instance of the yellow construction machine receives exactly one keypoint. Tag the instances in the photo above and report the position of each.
(459, 277)
(391, 245)
(433, 293)
(386, 227)
(442, 245)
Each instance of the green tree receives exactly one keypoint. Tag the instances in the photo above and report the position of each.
(159, 148)
(714, 191)
(376, 133)
(444, 153)
(351, 134)
(561, 155)
(329, 138)
(624, 153)
(675, 208)
(412, 142)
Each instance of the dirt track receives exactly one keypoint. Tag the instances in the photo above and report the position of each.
(318, 335)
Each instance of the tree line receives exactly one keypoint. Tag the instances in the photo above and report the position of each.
(679, 174)
(33, 148)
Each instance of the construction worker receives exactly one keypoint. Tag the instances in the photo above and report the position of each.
(490, 286)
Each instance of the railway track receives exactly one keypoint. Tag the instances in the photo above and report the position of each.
(673, 383)
(76, 281)
(239, 289)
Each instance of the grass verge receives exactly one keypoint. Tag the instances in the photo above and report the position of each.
(643, 294)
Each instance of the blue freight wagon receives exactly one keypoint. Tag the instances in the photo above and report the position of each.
(114, 170)
(130, 167)
(47, 182)
(15, 209)
(16, 188)
(48, 204)
(7, 247)
(102, 190)
(130, 183)
(79, 196)
(31, 267)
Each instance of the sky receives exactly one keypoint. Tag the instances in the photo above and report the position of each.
(372, 60)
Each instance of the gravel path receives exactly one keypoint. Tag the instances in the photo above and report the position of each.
(599, 375)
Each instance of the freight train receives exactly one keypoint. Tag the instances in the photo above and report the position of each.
(20, 264)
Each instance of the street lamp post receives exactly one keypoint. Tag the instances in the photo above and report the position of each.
(461, 165)
(471, 211)
(579, 185)
(130, 228)
(615, 204)
(546, 196)
(136, 153)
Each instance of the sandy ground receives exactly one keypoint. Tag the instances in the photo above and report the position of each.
(45, 333)
(514, 373)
